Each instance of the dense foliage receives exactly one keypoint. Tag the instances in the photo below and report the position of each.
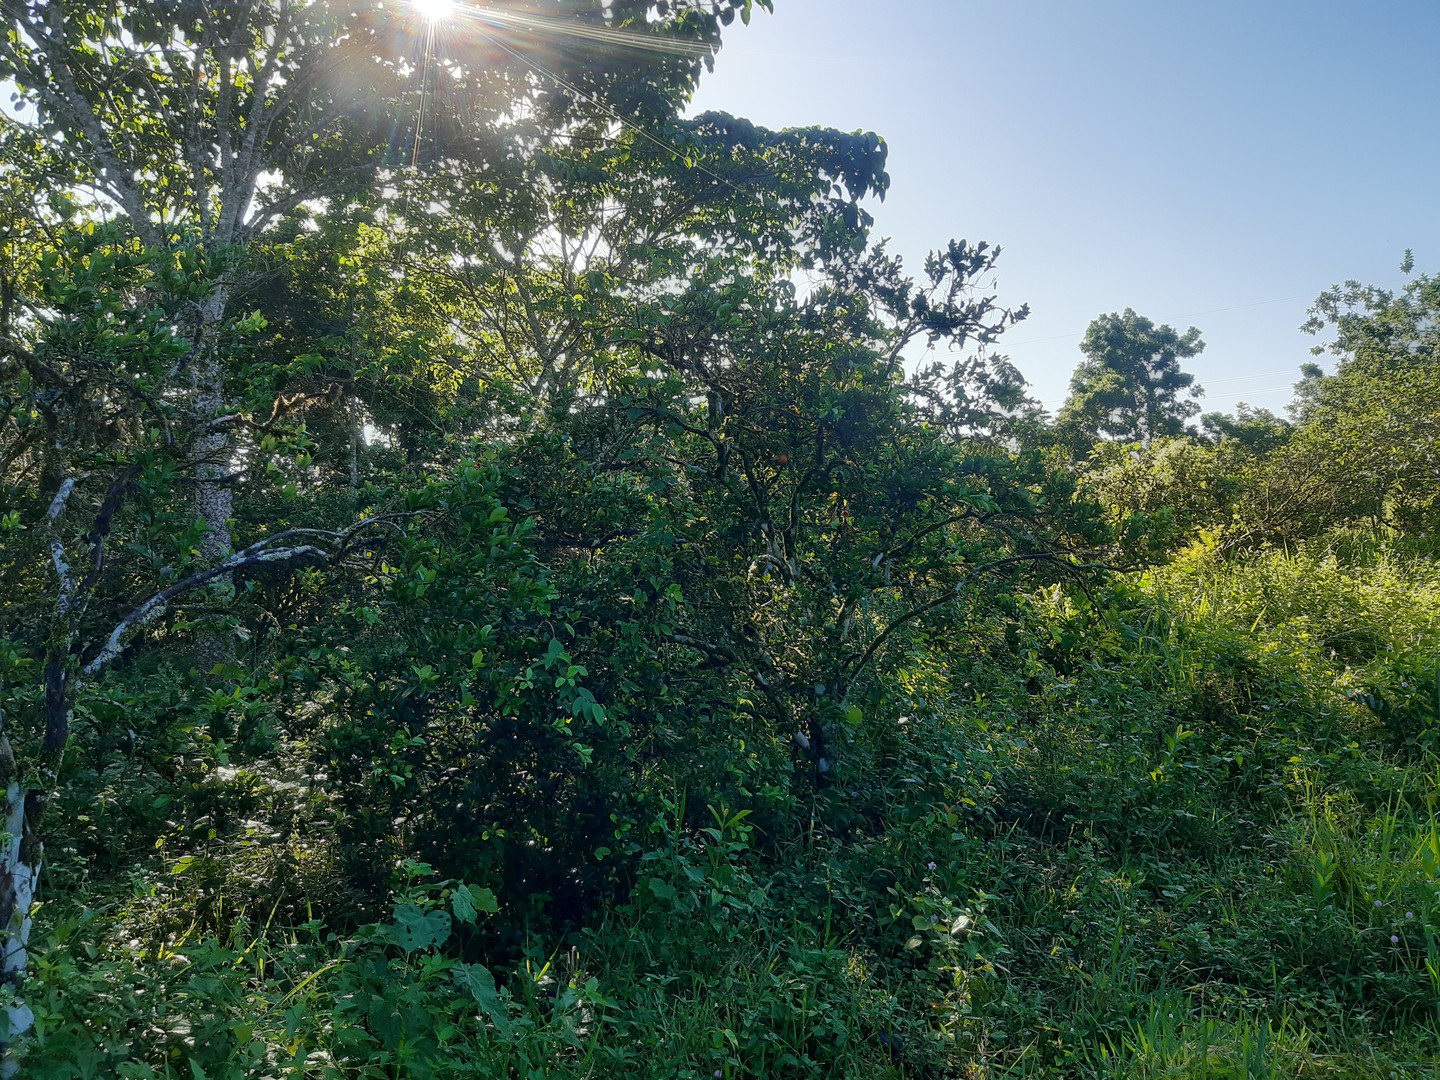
(502, 578)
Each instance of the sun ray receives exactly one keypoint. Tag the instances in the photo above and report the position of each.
(542, 26)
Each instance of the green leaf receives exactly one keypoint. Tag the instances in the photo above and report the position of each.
(477, 979)
(465, 902)
(416, 929)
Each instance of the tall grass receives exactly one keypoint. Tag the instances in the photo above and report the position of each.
(1154, 833)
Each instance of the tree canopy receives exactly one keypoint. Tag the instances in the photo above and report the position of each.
(1130, 386)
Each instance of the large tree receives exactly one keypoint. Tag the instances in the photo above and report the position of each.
(163, 159)
(203, 124)
(1130, 386)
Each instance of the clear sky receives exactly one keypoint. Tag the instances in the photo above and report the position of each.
(1209, 163)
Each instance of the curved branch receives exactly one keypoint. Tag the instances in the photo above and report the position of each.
(863, 661)
(265, 552)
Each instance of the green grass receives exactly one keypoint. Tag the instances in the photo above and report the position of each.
(1158, 837)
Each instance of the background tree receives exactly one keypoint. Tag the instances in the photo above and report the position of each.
(1159, 497)
(1376, 420)
(1361, 447)
(1307, 391)
(1254, 429)
(1130, 386)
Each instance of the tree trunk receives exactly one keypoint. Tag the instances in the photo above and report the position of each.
(212, 449)
(23, 852)
(357, 436)
(20, 857)
(213, 453)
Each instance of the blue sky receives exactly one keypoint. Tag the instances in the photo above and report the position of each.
(1214, 164)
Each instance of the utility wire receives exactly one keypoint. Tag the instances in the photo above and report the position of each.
(1208, 400)
(1170, 318)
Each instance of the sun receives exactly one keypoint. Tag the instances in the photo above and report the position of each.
(434, 10)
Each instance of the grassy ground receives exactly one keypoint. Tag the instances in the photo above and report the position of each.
(1186, 828)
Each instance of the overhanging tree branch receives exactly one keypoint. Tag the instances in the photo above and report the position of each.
(266, 552)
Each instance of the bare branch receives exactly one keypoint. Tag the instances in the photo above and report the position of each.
(278, 207)
(38, 369)
(57, 550)
(57, 504)
(246, 166)
(715, 652)
(156, 606)
(262, 553)
(114, 499)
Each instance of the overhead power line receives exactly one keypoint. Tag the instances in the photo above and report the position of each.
(1170, 318)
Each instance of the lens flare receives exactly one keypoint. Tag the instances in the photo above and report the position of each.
(434, 10)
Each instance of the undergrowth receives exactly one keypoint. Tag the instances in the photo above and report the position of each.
(1186, 827)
